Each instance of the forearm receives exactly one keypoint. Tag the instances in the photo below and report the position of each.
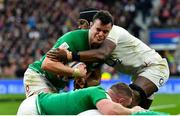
(96, 55)
(57, 68)
(92, 56)
(112, 108)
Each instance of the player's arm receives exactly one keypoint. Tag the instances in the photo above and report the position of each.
(93, 55)
(59, 68)
(99, 54)
(108, 107)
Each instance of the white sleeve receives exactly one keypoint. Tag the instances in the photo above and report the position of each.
(113, 35)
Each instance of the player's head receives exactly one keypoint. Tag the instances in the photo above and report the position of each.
(121, 93)
(86, 17)
(99, 29)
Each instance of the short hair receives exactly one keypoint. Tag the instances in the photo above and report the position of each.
(122, 88)
(88, 14)
(104, 16)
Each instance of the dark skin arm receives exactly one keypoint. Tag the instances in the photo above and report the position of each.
(93, 55)
(100, 54)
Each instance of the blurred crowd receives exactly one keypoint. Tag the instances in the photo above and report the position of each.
(29, 28)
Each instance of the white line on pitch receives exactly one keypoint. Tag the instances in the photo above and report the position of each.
(163, 106)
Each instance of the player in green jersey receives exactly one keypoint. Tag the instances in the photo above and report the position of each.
(111, 102)
(47, 75)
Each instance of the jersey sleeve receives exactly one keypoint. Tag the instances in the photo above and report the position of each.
(113, 35)
(98, 93)
(64, 41)
(74, 41)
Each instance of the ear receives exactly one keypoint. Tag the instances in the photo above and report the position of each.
(121, 100)
(91, 24)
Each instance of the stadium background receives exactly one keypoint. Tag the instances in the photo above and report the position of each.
(29, 28)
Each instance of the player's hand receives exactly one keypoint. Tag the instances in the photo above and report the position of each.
(58, 55)
(80, 79)
(137, 109)
(82, 71)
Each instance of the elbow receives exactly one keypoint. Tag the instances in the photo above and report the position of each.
(102, 56)
(45, 65)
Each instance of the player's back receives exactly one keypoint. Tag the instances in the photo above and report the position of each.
(70, 103)
(130, 51)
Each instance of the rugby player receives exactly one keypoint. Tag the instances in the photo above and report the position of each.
(112, 102)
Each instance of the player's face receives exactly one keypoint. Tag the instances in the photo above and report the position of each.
(98, 33)
(125, 101)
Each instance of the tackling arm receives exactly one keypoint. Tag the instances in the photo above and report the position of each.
(108, 107)
(99, 54)
(59, 68)
(93, 55)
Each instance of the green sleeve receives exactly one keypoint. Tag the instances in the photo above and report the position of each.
(98, 94)
(74, 41)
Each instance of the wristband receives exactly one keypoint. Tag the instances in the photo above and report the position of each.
(76, 73)
(75, 56)
(140, 90)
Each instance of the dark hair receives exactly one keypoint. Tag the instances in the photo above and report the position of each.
(123, 89)
(88, 14)
(104, 16)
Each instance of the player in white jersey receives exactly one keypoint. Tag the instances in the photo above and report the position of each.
(128, 54)
(132, 56)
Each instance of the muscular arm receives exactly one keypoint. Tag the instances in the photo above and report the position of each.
(93, 55)
(56, 67)
(99, 54)
(107, 107)
(59, 68)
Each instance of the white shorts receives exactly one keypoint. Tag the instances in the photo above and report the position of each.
(157, 72)
(28, 106)
(35, 82)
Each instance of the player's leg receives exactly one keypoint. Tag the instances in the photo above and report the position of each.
(140, 98)
(148, 82)
(147, 102)
(28, 106)
(35, 82)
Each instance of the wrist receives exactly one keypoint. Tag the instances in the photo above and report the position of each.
(69, 56)
(131, 111)
(75, 56)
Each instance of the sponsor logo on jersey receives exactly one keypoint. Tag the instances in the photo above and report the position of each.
(64, 45)
(161, 81)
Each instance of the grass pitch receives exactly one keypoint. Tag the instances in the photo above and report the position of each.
(169, 103)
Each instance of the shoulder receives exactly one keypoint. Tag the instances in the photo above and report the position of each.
(73, 34)
(80, 33)
(96, 88)
(118, 31)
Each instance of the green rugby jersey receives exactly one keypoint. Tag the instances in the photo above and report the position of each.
(74, 41)
(70, 103)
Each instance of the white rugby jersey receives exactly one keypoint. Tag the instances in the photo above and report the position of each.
(130, 53)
